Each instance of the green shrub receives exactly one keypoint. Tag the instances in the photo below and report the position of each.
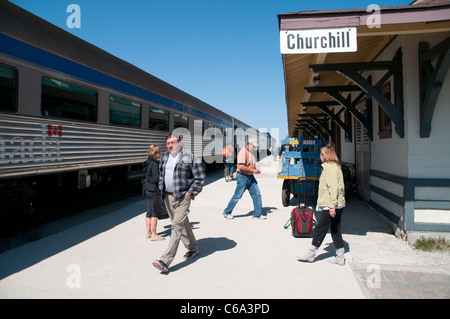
(432, 244)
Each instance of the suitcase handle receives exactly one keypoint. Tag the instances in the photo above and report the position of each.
(289, 223)
(300, 183)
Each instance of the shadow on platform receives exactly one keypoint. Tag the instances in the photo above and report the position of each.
(206, 247)
(357, 218)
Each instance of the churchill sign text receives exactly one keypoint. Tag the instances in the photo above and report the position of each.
(318, 41)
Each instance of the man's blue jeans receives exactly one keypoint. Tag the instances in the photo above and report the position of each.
(245, 182)
(232, 169)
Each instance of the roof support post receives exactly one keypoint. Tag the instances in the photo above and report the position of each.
(315, 127)
(324, 107)
(304, 128)
(431, 80)
(334, 92)
(318, 119)
(352, 72)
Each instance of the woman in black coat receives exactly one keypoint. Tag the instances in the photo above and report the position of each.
(151, 169)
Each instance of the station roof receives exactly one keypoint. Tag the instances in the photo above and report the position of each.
(420, 17)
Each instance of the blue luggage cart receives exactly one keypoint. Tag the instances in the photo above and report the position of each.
(301, 168)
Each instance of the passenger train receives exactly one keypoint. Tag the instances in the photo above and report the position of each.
(74, 116)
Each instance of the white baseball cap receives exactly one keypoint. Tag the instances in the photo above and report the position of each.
(253, 141)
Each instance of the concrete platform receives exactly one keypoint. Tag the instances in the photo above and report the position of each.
(103, 253)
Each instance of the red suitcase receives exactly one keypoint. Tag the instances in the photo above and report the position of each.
(302, 221)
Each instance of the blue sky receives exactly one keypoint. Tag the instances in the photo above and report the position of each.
(226, 53)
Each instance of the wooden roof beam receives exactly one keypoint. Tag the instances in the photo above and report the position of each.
(352, 71)
(335, 117)
(431, 80)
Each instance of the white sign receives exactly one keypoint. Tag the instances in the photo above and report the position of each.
(318, 41)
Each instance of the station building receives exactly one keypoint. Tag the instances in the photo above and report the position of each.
(374, 83)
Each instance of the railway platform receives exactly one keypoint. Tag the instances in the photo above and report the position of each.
(103, 253)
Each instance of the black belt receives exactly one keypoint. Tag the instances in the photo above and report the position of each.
(169, 193)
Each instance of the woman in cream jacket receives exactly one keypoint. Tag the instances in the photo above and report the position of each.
(331, 203)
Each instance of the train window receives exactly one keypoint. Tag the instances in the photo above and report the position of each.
(124, 112)
(208, 126)
(158, 119)
(180, 121)
(61, 99)
(8, 89)
(221, 130)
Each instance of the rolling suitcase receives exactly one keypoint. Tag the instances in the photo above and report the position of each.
(302, 220)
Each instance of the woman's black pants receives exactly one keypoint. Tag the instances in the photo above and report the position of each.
(325, 223)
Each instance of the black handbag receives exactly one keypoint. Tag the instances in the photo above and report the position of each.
(160, 208)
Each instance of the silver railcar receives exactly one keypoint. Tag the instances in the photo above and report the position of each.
(71, 113)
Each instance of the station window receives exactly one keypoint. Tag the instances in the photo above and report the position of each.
(158, 119)
(8, 89)
(61, 99)
(124, 112)
(180, 121)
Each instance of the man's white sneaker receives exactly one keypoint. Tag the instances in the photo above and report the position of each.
(228, 216)
(262, 217)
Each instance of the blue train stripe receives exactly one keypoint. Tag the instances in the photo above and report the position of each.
(24, 51)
